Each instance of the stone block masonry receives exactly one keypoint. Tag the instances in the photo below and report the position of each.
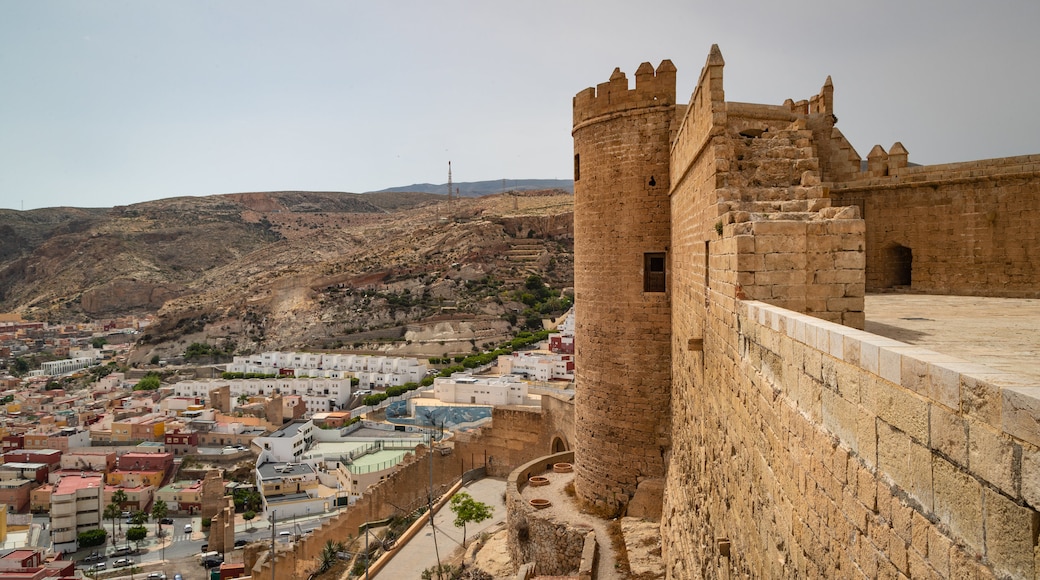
(806, 447)
(622, 313)
(964, 228)
(843, 472)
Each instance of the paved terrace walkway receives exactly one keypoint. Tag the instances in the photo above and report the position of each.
(418, 554)
(1001, 333)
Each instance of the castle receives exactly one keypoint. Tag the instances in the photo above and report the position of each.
(725, 387)
(722, 255)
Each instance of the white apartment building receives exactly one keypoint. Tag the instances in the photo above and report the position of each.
(379, 371)
(76, 506)
(465, 388)
(318, 395)
(60, 367)
(538, 366)
(288, 443)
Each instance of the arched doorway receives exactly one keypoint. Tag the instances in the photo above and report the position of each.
(898, 266)
(559, 445)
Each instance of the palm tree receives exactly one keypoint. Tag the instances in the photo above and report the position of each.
(243, 399)
(119, 498)
(159, 511)
(112, 512)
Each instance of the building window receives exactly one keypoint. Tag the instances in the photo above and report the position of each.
(577, 167)
(653, 272)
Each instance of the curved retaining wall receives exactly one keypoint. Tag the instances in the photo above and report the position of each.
(555, 548)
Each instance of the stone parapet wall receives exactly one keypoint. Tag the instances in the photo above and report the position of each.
(944, 172)
(816, 450)
(407, 487)
(965, 228)
(654, 88)
(813, 266)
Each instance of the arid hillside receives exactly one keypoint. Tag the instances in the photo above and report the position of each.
(394, 271)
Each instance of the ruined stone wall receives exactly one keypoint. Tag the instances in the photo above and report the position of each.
(516, 436)
(212, 494)
(827, 452)
(964, 228)
(621, 183)
(221, 537)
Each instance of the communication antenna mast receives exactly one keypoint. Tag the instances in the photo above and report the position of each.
(449, 184)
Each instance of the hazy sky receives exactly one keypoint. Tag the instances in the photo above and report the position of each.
(114, 102)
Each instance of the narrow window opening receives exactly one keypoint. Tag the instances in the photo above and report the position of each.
(577, 167)
(707, 274)
(654, 272)
(653, 182)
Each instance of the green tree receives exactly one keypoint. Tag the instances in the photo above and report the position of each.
(92, 538)
(155, 359)
(138, 517)
(21, 366)
(467, 509)
(249, 515)
(112, 512)
(135, 534)
(159, 511)
(148, 383)
(243, 399)
(119, 498)
(98, 342)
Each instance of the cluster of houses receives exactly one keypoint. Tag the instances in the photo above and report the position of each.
(69, 451)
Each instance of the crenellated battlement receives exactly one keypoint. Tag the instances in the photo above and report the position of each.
(654, 88)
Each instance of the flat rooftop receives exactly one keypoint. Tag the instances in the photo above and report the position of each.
(279, 470)
(1001, 333)
(289, 430)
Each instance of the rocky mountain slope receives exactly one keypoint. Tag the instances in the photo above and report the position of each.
(481, 188)
(407, 272)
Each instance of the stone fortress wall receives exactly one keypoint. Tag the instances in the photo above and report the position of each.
(959, 228)
(797, 445)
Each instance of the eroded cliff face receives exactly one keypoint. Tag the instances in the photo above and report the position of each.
(118, 296)
(292, 269)
(553, 226)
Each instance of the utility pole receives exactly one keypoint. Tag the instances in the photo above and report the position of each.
(273, 520)
(449, 185)
(429, 497)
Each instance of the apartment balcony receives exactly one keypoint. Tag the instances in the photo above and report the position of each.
(63, 537)
(62, 509)
(88, 519)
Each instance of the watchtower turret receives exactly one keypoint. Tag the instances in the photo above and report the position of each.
(622, 139)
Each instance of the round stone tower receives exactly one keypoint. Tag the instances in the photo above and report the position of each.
(622, 140)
